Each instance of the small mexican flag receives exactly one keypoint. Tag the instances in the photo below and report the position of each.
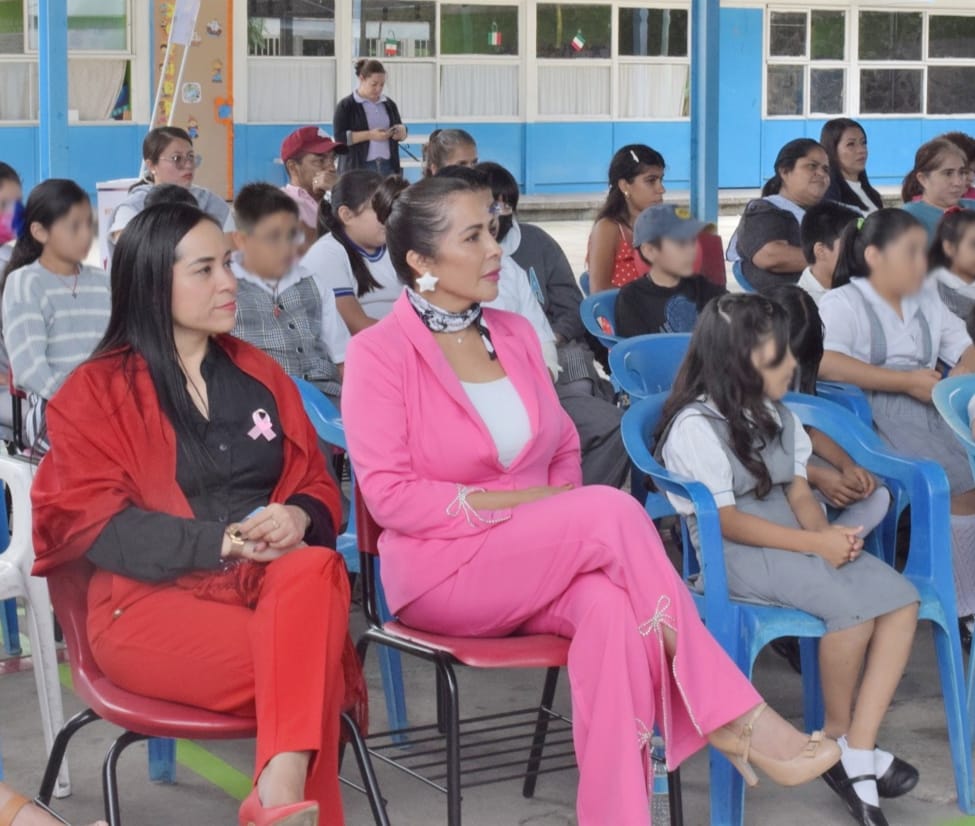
(391, 46)
(578, 41)
(494, 36)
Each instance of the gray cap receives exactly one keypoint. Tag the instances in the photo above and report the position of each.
(665, 221)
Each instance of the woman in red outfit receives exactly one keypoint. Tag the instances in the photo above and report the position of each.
(183, 468)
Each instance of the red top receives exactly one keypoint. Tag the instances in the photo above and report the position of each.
(627, 265)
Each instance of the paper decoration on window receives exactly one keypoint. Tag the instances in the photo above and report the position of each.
(391, 45)
(578, 42)
(192, 93)
(494, 36)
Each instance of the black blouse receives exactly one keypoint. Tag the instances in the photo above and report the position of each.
(236, 475)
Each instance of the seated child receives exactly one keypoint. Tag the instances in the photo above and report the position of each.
(819, 232)
(725, 425)
(280, 308)
(669, 297)
(951, 260)
(55, 307)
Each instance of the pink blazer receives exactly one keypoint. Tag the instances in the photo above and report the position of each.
(414, 437)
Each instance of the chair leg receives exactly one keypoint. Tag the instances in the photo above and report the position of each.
(541, 730)
(447, 680)
(10, 626)
(441, 701)
(676, 797)
(110, 777)
(366, 771)
(54, 760)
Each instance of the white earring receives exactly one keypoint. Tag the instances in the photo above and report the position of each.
(427, 282)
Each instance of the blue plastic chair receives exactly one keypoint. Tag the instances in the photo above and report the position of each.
(599, 316)
(644, 365)
(584, 283)
(328, 424)
(743, 629)
(739, 274)
(849, 396)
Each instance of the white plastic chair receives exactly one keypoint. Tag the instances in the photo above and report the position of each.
(16, 582)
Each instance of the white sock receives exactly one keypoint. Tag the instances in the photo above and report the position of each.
(857, 762)
(963, 557)
(882, 760)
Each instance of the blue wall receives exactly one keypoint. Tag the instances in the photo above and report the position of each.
(551, 158)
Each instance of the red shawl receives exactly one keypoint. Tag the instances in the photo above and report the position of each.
(111, 447)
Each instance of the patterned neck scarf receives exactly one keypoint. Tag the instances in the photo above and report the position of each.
(438, 320)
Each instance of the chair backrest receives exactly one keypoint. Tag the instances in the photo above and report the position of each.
(849, 396)
(324, 415)
(739, 274)
(951, 397)
(68, 586)
(711, 262)
(644, 365)
(598, 313)
(584, 283)
(366, 526)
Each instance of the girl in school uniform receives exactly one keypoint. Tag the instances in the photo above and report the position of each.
(886, 329)
(725, 425)
(938, 181)
(952, 260)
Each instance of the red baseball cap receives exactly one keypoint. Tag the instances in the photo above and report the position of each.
(310, 139)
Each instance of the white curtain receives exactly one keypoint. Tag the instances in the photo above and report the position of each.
(573, 89)
(94, 86)
(654, 90)
(478, 90)
(18, 91)
(291, 90)
(413, 85)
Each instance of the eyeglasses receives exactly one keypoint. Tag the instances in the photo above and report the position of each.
(500, 208)
(190, 159)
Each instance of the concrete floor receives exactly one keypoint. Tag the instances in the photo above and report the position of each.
(915, 729)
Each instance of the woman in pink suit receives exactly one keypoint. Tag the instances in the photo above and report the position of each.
(469, 463)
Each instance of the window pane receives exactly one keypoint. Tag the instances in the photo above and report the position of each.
(890, 35)
(785, 90)
(890, 91)
(93, 25)
(653, 32)
(273, 29)
(397, 29)
(654, 90)
(951, 90)
(479, 90)
(573, 31)
(11, 26)
(787, 34)
(18, 91)
(478, 29)
(578, 89)
(828, 35)
(826, 93)
(950, 36)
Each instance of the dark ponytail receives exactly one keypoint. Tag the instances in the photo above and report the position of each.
(49, 201)
(354, 190)
(789, 155)
(879, 229)
(951, 229)
(628, 162)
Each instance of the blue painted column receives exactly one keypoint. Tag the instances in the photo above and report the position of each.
(704, 108)
(52, 64)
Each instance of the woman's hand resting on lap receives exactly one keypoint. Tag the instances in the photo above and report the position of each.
(839, 544)
(270, 534)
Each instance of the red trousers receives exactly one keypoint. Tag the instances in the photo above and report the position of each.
(281, 661)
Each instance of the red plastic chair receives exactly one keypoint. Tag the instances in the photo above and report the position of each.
(144, 717)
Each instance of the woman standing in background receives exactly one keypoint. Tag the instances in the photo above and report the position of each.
(369, 123)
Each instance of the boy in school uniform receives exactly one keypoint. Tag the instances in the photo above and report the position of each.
(280, 308)
(820, 231)
(669, 297)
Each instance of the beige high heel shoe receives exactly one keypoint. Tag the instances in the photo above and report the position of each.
(819, 754)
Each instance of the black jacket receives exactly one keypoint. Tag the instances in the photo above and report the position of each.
(351, 117)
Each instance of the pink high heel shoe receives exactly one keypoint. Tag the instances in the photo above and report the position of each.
(252, 813)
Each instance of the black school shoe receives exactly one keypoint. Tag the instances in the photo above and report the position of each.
(899, 779)
(863, 813)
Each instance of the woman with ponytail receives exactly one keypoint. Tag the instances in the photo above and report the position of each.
(55, 307)
(886, 330)
(468, 462)
(937, 182)
(767, 241)
(350, 257)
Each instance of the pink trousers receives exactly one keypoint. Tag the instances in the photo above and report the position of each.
(589, 565)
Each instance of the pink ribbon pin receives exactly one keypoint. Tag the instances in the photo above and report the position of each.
(262, 426)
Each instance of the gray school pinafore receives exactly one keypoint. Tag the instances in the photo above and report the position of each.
(911, 427)
(842, 597)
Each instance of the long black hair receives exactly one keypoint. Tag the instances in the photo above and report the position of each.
(628, 162)
(951, 229)
(504, 187)
(142, 311)
(876, 230)
(353, 190)
(789, 155)
(805, 333)
(48, 203)
(840, 189)
(734, 326)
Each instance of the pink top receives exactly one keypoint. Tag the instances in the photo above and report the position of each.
(415, 437)
(307, 205)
